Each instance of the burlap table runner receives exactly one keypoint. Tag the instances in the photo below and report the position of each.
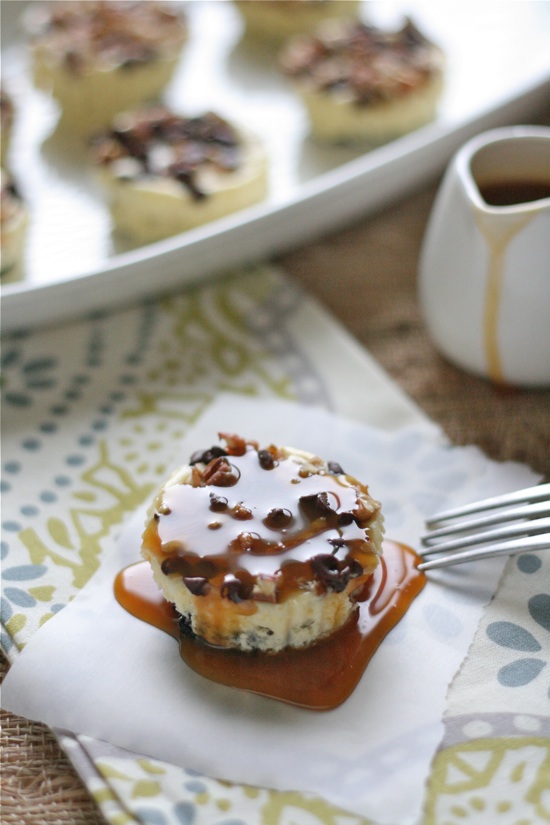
(375, 298)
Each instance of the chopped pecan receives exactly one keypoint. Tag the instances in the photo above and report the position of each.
(235, 445)
(197, 479)
(219, 473)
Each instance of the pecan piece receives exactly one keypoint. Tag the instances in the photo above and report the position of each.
(235, 445)
(220, 473)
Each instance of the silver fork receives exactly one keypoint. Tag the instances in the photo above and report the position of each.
(512, 523)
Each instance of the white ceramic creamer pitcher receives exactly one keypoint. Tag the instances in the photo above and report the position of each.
(484, 275)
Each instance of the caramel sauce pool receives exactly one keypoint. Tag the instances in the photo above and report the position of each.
(319, 677)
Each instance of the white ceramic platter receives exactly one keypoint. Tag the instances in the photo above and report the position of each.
(498, 72)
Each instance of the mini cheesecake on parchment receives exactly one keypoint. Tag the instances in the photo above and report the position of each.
(13, 228)
(165, 173)
(262, 549)
(275, 20)
(360, 83)
(98, 57)
(6, 122)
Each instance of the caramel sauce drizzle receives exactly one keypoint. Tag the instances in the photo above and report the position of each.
(318, 677)
(345, 556)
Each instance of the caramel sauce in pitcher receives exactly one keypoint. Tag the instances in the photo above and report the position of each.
(320, 676)
(514, 192)
(502, 193)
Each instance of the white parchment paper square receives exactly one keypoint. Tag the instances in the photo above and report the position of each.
(95, 669)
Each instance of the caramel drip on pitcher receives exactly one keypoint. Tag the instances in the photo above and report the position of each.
(497, 239)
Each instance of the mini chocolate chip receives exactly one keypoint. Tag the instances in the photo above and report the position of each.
(325, 563)
(345, 518)
(197, 585)
(205, 568)
(184, 624)
(355, 568)
(232, 589)
(316, 505)
(241, 513)
(189, 567)
(175, 564)
(278, 518)
(335, 468)
(206, 456)
(218, 504)
(267, 462)
(332, 573)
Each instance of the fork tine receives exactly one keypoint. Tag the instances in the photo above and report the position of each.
(537, 493)
(531, 527)
(539, 508)
(512, 547)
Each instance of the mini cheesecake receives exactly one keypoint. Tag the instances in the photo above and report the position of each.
(98, 58)
(276, 20)
(363, 84)
(6, 122)
(165, 173)
(262, 549)
(13, 226)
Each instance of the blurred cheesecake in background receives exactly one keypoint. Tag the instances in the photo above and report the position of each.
(275, 20)
(165, 173)
(6, 122)
(363, 84)
(13, 228)
(98, 58)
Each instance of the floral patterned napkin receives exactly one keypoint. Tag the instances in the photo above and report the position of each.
(91, 412)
